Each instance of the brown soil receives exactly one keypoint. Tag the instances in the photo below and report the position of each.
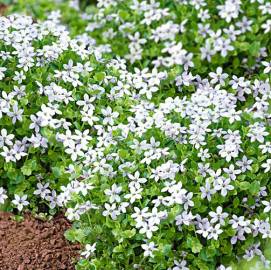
(3, 9)
(35, 245)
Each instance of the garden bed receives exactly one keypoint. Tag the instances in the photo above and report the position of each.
(147, 122)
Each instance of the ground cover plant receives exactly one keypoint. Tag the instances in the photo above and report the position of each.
(147, 121)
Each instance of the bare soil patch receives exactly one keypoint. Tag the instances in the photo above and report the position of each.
(35, 245)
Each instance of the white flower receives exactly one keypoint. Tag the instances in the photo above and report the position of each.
(222, 267)
(180, 265)
(5, 138)
(207, 191)
(244, 164)
(113, 193)
(20, 202)
(232, 172)
(267, 66)
(111, 210)
(230, 10)
(16, 113)
(19, 76)
(72, 214)
(268, 206)
(8, 154)
(42, 190)
(223, 46)
(136, 180)
(257, 132)
(109, 116)
(223, 184)
(135, 194)
(89, 250)
(2, 74)
(267, 26)
(184, 218)
(228, 150)
(86, 103)
(266, 148)
(3, 195)
(218, 76)
(267, 165)
(204, 154)
(218, 216)
(214, 232)
(87, 116)
(148, 228)
(52, 199)
(148, 249)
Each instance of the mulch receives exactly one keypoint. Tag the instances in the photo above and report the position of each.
(35, 245)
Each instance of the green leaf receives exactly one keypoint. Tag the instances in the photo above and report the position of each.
(118, 249)
(29, 166)
(236, 202)
(57, 172)
(194, 244)
(124, 14)
(99, 76)
(74, 235)
(166, 249)
(254, 187)
(244, 185)
(254, 48)
(129, 233)
(123, 153)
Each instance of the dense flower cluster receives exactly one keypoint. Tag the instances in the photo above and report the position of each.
(151, 127)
